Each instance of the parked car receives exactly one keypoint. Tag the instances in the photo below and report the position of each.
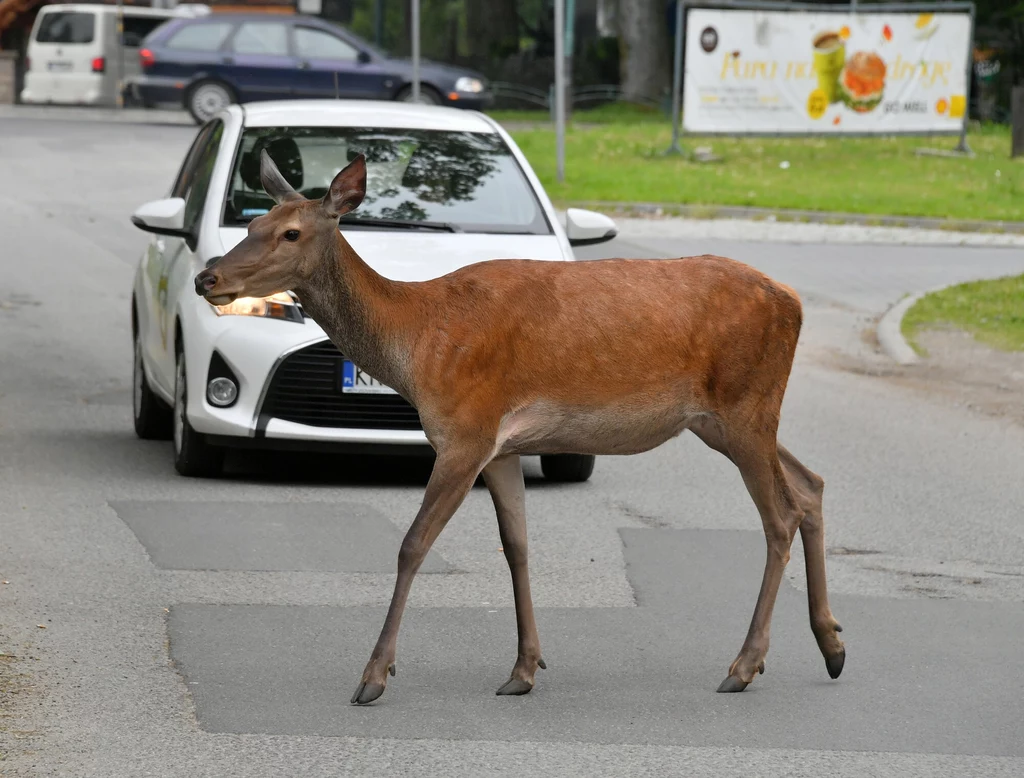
(445, 188)
(73, 56)
(206, 64)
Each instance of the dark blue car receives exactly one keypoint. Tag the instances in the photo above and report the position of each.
(209, 62)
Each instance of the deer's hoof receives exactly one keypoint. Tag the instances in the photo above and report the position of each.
(515, 686)
(732, 684)
(367, 693)
(835, 663)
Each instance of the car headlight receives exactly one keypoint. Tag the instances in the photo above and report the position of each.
(467, 84)
(276, 306)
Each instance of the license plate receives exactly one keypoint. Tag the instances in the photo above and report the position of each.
(58, 65)
(355, 381)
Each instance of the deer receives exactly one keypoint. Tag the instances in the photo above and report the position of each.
(507, 358)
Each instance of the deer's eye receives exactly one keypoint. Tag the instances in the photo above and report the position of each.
(292, 235)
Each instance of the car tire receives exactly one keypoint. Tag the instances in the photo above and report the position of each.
(206, 98)
(193, 455)
(151, 415)
(428, 95)
(567, 468)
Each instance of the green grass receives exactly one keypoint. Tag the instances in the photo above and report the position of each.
(993, 311)
(620, 160)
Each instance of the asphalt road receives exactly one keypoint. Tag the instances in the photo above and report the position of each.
(199, 628)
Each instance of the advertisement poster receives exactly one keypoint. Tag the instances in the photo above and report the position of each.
(787, 71)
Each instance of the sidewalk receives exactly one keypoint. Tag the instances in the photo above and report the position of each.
(775, 231)
(795, 216)
(66, 113)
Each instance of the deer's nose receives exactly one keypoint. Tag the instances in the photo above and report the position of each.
(205, 281)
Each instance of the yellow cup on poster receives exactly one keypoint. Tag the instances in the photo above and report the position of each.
(829, 58)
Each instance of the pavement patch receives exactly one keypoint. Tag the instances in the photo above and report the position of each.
(264, 536)
(625, 675)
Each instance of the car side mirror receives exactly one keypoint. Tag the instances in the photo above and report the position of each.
(363, 57)
(165, 217)
(585, 228)
(162, 217)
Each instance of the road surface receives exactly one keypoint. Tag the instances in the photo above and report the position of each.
(156, 625)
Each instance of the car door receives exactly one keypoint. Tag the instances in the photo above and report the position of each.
(329, 66)
(258, 61)
(176, 256)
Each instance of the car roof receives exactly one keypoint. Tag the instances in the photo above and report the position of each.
(235, 16)
(363, 113)
(170, 13)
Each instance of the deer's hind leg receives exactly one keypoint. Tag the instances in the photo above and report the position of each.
(752, 448)
(808, 487)
(504, 479)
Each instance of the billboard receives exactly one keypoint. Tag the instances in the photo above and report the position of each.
(750, 71)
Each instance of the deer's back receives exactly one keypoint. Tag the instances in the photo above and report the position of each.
(608, 333)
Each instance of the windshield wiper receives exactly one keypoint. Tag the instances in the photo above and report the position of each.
(402, 224)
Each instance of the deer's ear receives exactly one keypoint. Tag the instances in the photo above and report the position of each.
(347, 189)
(273, 182)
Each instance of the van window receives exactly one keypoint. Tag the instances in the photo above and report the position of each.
(200, 37)
(66, 27)
(136, 28)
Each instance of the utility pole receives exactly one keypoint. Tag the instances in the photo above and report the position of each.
(570, 36)
(378, 22)
(415, 51)
(560, 89)
(119, 97)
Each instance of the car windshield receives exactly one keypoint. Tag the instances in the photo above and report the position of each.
(466, 181)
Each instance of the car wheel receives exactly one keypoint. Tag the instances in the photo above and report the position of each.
(193, 456)
(567, 468)
(151, 415)
(428, 95)
(208, 98)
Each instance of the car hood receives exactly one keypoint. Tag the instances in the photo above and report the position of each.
(431, 69)
(419, 255)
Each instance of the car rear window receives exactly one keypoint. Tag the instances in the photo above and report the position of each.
(66, 27)
(200, 37)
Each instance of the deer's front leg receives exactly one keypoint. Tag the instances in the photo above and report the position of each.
(504, 479)
(450, 481)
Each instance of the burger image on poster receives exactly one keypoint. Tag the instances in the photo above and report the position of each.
(862, 82)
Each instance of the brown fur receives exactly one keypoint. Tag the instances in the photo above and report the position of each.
(512, 357)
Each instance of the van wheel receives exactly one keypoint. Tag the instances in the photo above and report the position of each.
(208, 98)
(428, 95)
(193, 456)
(567, 468)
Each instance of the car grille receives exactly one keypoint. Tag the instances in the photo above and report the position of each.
(306, 389)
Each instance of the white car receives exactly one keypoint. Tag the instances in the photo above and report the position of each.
(445, 188)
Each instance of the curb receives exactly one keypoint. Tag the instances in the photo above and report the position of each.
(890, 335)
(62, 113)
(890, 327)
(657, 210)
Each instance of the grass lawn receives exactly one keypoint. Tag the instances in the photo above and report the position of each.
(618, 158)
(993, 311)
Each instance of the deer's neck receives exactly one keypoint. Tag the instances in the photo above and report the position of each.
(362, 312)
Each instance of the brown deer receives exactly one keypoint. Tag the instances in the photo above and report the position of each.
(513, 357)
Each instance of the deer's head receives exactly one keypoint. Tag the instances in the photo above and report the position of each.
(285, 246)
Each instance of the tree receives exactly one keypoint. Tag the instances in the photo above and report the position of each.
(492, 28)
(643, 49)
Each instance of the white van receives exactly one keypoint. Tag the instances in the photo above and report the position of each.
(73, 55)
